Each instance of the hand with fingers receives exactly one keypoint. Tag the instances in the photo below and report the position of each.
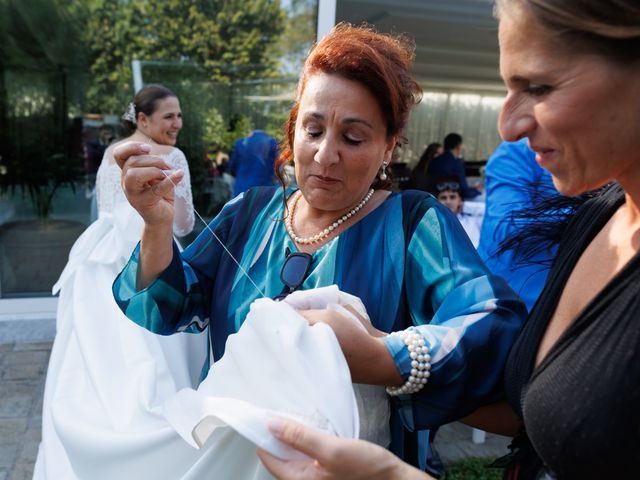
(148, 182)
(333, 458)
(150, 190)
(368, 358)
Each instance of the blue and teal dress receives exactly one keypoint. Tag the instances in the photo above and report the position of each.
(410, 263)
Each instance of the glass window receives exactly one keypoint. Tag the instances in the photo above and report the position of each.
(67, 76)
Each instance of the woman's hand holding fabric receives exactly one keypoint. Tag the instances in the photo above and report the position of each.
(368, 358)
(333, 457)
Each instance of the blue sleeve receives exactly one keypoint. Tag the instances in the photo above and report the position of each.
(180, 298)
(508, 173)
(512, 178)
(468, 318)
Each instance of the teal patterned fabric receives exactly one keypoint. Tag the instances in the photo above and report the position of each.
(409, 261)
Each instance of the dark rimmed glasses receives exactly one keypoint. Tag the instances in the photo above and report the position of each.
(294, 271)
(442, 186)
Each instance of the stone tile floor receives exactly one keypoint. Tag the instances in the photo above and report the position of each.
(22, 375)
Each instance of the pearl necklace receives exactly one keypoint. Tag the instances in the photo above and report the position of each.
(288, 222)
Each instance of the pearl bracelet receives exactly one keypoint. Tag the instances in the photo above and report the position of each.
(420, 365)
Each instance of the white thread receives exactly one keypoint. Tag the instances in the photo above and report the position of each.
(221, 243)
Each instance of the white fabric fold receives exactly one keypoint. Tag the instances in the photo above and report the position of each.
(373, 402)
(275, 365)
(278, 365)
(109, 240)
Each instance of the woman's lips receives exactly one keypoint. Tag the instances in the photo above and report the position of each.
(544, 156)
(323, 179)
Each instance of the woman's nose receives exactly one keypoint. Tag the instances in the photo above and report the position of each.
(327, 153)
(516, 119)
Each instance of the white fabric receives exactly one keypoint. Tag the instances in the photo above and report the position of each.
(275, 365)
(107, 377)
(471, 219)
(373, 401)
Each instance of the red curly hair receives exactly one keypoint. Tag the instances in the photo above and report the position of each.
(380, 62)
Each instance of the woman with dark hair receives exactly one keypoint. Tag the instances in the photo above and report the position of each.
(418, 179)
(101, 364)
(572, 72)
(403, 254)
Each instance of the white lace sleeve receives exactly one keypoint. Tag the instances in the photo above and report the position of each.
(108, 184)
(184, 218)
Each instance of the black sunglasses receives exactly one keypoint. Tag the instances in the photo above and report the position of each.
(294, 272)
(442, 186)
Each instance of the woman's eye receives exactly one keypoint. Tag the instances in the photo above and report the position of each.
(352, 141)
(313, 133)
(537, 90)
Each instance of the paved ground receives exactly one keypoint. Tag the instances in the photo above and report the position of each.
(22, 374)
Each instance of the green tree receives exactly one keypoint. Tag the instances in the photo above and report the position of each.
(298, 36)
(229, 39)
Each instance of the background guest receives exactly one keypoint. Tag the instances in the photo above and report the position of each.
(447, 191)
(451, 164)
(419, 179)
(252, 160)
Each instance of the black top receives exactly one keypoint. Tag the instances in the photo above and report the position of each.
(581, 405)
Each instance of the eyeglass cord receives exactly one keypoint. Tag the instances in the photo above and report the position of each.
(220, 242)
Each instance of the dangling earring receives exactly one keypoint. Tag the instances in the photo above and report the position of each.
(383, 173)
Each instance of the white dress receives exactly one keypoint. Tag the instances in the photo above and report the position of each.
(107, 377)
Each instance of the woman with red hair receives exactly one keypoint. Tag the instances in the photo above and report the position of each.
(402, 253)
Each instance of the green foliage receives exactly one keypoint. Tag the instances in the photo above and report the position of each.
(274, 123)
(220, 135)
(298, 36)
(240, 127)
(214, 130)
(199, 49)
(42, 34)
(472, 469)
(229, 39)
(64, 58)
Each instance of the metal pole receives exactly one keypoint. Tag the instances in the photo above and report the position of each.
(136, 69)
(326, 17)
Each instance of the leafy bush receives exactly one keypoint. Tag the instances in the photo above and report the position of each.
(472, 469)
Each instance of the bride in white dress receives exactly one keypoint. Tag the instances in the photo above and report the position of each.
(107, 377)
